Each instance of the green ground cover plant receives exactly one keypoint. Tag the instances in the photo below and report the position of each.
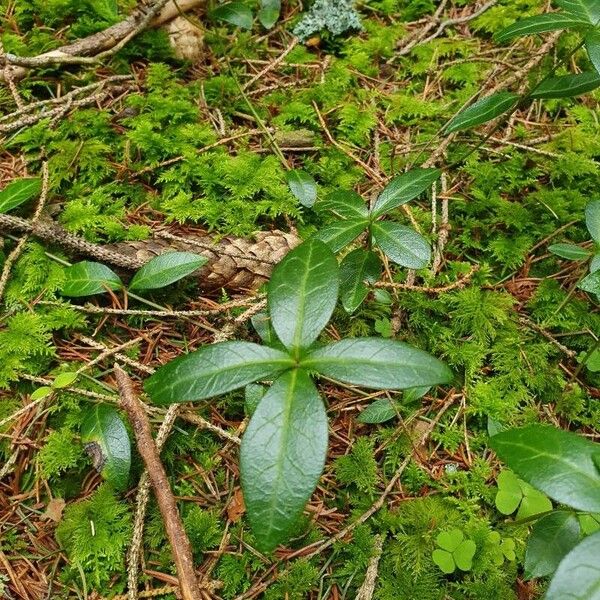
(437, 167)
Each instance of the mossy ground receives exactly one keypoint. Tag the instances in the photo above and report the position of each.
(180, 143)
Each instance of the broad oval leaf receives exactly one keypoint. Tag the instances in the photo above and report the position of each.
(540, 24)
(552, 537)
(166, 269)
(567, 86)
(269, 12)
(282, 456)
(595, 263)
(106, 440)
(592, 45)
(402, 245)
(578, 575)
(345, 204)
(214, 370)
(482, 111)
(557, 462)
(89, 278)
(303, 186)
(377, 363)
(404, 188)
(236, 13)
(302, 293)
(341, 233)
(357, 267)
(588, 10)
(569, 251)
(19, 192)
(592, 219)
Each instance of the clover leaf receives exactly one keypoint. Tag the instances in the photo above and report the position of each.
(454, 551)
(514, 493)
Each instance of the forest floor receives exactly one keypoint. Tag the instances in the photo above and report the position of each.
(203, 145)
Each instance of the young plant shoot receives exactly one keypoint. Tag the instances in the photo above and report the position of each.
(283, 450)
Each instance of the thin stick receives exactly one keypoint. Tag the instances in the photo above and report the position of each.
(180, 544)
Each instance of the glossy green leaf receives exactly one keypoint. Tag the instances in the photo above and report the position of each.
(253, 394)
(592, 219)
(345, 204)
(18, 192)
(402, 245)
(214, 370)
(595, 263)
(553, 461)
(262, 325)
(568, 251)
(552, 537)
(302, 293)
(592, 45)
(404, 188)
(303, 186)
(377, 363)
(341, 233)
(540, 24)
(482, 111)
(236, 13)
(166, 269)
(269, 12)
(64, 380)
(591, 283)
(357, 267)
(282, 456)
(567, 86)
(588, 10)
(578, 575)
(107, 442)
(89, 278)
(380, 411)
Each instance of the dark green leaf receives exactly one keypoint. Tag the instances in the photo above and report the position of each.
(282, 456)
(253, 394)
(556, 462)
(339, 234)
(567, 86)
(269, 12)
(345, 204)
(404, 188)
(166, 269)
(214, 370)
(402, 245)
(595, 263)
(18, 192)
(540, 24)
(578, 575)
(482, 111)
(262, 325)
(107, 442)
(236, 13)
(88, 278)
(357, 267)
(588, 10)
(592, 45)
(569, 251)
(303, 186)
(552, 537)
(591, 283)
(378, 363)
(302, 293)
(592, 219)
(380, 411)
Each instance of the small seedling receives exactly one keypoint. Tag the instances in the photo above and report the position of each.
(453, 552)
(284, 447)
